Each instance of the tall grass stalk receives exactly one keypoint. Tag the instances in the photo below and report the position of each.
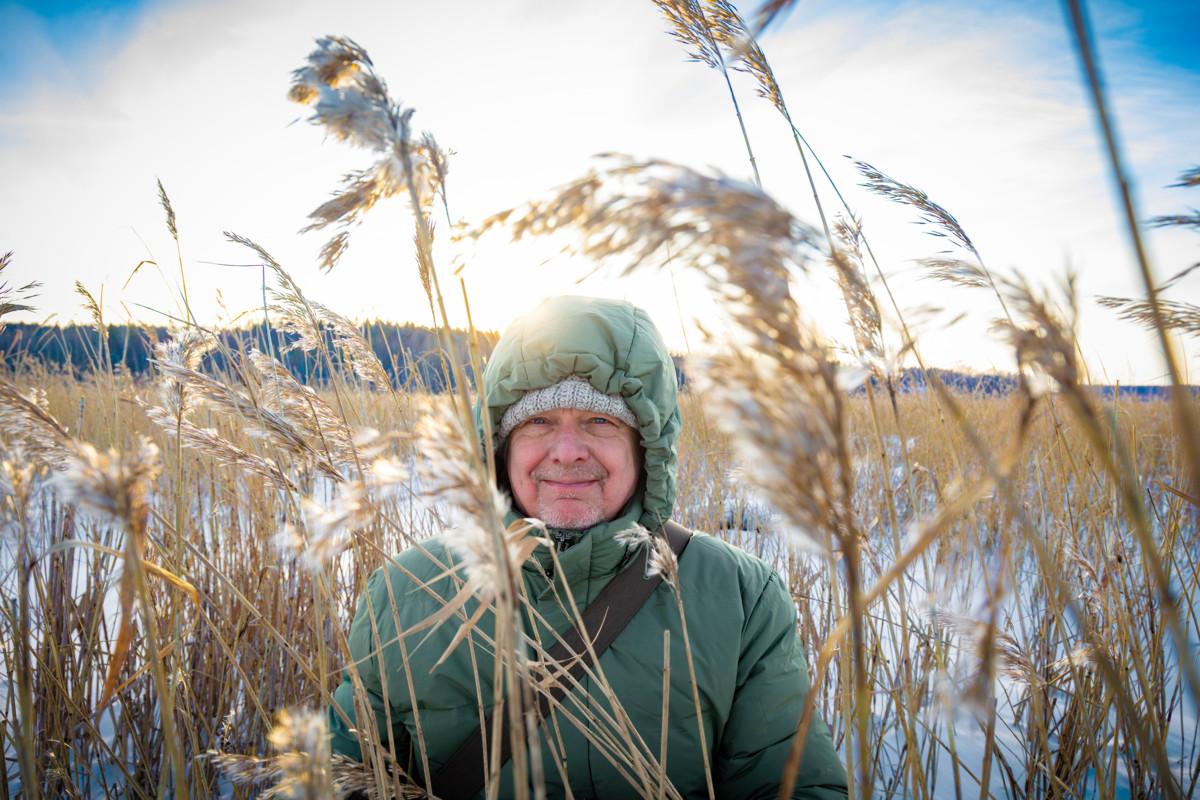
(1185, 414)
(692, 27)
(26, 722)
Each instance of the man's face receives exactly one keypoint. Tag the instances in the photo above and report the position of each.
(572, 469)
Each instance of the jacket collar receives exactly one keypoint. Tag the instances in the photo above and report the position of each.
(592, 553)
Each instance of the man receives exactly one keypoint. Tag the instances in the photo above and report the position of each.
(581, 397)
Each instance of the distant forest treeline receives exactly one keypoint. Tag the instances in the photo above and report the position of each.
(410, 354)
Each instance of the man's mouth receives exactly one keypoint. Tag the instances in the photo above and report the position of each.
(567, 486)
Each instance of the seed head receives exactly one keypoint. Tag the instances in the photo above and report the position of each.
(116, 483)
(17, 481)
(301, 738)
(351, 102)
(327, 527)
(942, 222)
(691, 29)
(660, 558)
(186, 350)
(26, 423)
(14, 299)
(452, 476)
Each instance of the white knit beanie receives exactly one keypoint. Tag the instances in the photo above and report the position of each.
(572, 392)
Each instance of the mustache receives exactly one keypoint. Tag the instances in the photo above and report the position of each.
(591, 472)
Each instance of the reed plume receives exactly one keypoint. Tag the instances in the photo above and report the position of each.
(186, 350)
(1046, 338)
(26, 423)
(1191, 220)
(14, 299)
(866, 322)
(660, 558)
(323, 428)
(355, 349)
(93, 307)
(168, 209)
(292, 311)
(691, 27)
(117, 484)
(17, 473)
(1188, 178)
(328, 526)
(439, 163)
(1174, 315)
(728, 29)
(210, 443)
(351, 102)
(309, 321)
(633, 213)
(450, 476)
(956, 271)
(258, 420)
(114, 483)
(302, 768)
(797, 472)
(942, 223)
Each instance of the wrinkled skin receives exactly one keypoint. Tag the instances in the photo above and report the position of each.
(572, 468)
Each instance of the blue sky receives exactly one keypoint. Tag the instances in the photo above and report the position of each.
(66, 34)
(979, 104)
(1163, 30)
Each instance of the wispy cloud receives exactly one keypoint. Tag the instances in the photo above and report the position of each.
(979, 106)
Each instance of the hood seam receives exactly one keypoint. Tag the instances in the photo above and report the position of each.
(632, 341)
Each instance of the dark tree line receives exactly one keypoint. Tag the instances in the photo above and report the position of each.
(411, 355)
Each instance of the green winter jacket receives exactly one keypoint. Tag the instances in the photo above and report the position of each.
(748, 658)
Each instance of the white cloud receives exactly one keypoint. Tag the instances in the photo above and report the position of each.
(982, 109)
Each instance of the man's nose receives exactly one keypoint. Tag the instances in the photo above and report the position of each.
(568, 446)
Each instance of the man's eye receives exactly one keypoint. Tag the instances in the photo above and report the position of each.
(536, 421)
(602, 420)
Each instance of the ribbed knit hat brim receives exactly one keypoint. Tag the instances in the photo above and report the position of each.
(573, 392)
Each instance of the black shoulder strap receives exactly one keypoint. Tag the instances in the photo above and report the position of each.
(463, 775)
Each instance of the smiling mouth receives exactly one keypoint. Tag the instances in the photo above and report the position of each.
(569, 485)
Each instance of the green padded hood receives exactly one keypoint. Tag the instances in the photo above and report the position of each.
(616, 347)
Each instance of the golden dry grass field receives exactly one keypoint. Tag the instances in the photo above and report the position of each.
(980, 660)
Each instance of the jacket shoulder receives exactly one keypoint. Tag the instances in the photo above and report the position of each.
(718, 553)
(424, 557)
(719, 567)
(412, 573)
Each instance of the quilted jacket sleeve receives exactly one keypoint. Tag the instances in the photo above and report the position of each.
(344, 739)
(772, 687)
